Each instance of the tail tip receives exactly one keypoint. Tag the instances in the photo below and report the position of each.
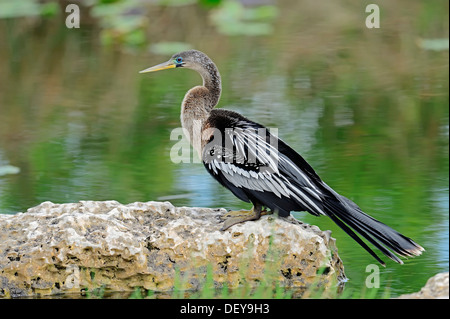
(416, 251)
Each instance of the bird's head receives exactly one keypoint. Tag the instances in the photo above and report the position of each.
(191, 59)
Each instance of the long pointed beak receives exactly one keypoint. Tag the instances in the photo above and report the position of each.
(159, 67)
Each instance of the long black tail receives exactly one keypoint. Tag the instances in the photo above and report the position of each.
(348, 216)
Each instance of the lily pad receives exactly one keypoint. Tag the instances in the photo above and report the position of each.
(434, 44)
(8, 169)
(165, 48)
(233, 18)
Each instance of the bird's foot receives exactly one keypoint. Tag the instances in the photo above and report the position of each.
(266, 212)
(234, 217)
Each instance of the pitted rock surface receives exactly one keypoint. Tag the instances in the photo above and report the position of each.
(62, 248)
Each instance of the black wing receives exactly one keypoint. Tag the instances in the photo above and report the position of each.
(257, 166)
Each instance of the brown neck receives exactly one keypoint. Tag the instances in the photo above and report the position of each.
(195, 110)
(200, 100)
(212, 82)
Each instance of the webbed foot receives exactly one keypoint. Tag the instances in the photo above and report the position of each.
(234, 217)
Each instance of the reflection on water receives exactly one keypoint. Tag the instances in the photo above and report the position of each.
(368, 110)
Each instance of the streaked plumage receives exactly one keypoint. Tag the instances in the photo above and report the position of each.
(257, 167)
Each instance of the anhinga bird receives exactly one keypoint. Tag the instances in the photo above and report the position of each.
(258, 167)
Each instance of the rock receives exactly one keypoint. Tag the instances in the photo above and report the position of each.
(436, 288)
(63, 248)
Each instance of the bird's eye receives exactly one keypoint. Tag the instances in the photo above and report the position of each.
(179, 60)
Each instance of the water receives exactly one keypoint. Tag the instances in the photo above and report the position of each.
(368, 109)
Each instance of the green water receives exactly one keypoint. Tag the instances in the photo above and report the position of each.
(368, 109)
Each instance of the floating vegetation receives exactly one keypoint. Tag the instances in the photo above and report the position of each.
(233, 18)
(165, 48)
(27, 8)
(9, 169)
(433, 44)
(126, 21)
(121, 21)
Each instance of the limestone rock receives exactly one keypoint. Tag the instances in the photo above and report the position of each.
(62, 248)
(437, 287)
